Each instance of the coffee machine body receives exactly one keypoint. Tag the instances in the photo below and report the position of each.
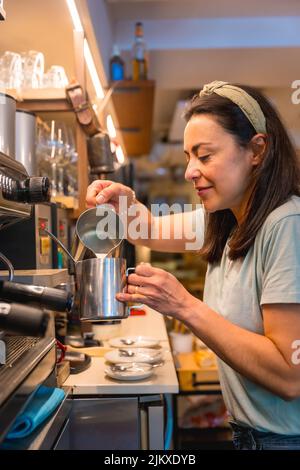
(7, 124)
(61, 229)
(23, 244)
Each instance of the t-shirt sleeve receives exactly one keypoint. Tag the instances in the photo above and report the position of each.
(281, 273)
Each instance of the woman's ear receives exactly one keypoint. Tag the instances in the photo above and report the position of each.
(258, 146)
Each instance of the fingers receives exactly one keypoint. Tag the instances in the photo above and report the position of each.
(92, 192)
(146, 275)
(139, 290)
(145, 269)
(137, 298)
(137, 280)
(94, 189)
(112, 192)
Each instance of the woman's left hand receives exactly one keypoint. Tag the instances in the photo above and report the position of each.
(158, 289)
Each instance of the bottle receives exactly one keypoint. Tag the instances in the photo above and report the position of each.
(139, 54)
(116, 65)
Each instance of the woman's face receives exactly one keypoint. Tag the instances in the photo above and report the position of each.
(219, 168)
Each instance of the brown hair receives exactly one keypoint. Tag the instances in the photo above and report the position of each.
(274, 180)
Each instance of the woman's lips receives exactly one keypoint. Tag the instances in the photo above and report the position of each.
(203, 191)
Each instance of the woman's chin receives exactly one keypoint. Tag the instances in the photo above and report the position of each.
(209, 206)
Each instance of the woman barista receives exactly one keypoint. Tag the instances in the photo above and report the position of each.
(244, 168)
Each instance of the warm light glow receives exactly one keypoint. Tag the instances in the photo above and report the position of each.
(74, 15)
(120, 154)
(111, 127)
(92, 70)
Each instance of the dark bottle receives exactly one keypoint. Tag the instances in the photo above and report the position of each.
(116, 65)
(139, 54)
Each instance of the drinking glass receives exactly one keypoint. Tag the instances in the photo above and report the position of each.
(55, 77)
(33, 64)
(10, 70)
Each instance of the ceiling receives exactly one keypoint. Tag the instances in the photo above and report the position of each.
(167, 9)
(193, 42)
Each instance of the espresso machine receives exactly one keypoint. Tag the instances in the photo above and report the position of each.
(27, 341)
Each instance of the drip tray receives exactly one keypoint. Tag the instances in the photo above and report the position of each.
(23, 353)
(15, 348)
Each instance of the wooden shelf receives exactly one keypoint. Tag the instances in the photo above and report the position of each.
(45, 105)
(133, 102)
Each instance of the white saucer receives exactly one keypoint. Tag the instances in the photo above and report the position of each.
(138, 372)
(137, 342)
(149, 356)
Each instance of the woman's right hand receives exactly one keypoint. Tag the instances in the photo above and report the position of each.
(106, 191)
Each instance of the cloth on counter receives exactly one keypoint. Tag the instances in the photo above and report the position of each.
(41, 406)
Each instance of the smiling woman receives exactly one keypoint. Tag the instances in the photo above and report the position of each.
(255, 172)
(244, 168)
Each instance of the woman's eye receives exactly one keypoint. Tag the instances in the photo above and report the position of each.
(204, 158)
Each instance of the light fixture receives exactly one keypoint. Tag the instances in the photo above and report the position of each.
(74, 15)
(2, 11)
(120, 154)
(92, 70)
(111, 127)
(86, 49)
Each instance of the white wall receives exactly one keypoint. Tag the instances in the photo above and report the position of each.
(289, 112)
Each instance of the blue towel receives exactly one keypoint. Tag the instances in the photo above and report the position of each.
(43, 403)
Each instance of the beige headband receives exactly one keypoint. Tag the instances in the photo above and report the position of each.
(242, 99)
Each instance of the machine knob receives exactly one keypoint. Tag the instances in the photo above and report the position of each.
(39, 189)
(33, 190)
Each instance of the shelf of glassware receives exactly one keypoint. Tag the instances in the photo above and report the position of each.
(57, 105)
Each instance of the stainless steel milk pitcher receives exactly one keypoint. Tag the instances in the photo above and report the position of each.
(98, 282)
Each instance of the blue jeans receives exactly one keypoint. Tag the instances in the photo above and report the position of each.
(245, 438)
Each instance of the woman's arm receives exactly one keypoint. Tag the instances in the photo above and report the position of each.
(174, 233)
(268, 360)
(171, 233)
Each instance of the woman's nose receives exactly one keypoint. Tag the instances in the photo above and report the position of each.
(192, 171)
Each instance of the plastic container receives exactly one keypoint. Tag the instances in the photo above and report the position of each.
(182, 343)
(107, 330)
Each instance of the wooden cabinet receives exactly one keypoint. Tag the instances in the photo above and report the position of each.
(133, 103)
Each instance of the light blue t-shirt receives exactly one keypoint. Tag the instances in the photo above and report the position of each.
(270, 273)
